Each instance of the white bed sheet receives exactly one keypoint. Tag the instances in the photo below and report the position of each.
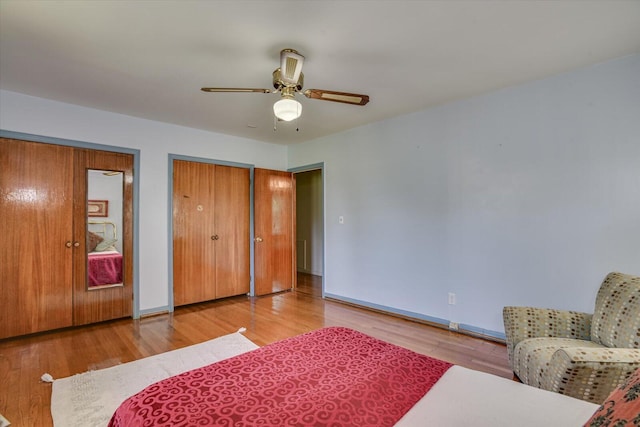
(464, 397)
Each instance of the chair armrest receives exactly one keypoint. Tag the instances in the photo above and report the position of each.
(521, 323)
(590, 373)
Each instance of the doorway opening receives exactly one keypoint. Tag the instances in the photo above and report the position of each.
(310, 229)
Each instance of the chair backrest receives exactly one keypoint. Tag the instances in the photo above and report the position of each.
(616, 318)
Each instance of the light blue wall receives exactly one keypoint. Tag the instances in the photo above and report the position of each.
(528, 195)
(525, 196)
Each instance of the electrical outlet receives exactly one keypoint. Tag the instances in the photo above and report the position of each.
(454, 326)
(452, 298)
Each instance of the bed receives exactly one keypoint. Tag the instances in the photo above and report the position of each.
(340, 377)
(104, 262)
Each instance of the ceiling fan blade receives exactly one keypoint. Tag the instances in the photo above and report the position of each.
(235, 89)
(344, 97)
(290, 66)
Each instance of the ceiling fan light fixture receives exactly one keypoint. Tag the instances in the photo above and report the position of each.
(288, 80)
(287, 109)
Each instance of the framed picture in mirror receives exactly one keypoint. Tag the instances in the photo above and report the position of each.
(98, 208)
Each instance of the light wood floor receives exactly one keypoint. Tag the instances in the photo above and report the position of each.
(25, 400)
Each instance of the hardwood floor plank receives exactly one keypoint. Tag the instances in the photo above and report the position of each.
(25, 400)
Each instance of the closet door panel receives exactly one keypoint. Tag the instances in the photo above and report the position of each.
(232, 228)
(36, 193)
(106, 303)
(194, 232)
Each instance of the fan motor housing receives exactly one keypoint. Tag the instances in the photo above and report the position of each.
(278, 84)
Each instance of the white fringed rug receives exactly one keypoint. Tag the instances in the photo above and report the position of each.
(89, 399)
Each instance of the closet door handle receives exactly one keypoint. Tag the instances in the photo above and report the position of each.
(258, 239)
(215, 237)
(68, 244)
(76, 244)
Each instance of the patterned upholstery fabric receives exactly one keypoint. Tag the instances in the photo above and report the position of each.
(616, 319)
(533, 356)
(554, 349)
(521, 323)
(622, 407)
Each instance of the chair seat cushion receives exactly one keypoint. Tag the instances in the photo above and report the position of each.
(531, 357)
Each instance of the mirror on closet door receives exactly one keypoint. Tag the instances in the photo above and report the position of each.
(104, 229)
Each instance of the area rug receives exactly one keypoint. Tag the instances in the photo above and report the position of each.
(89, 399)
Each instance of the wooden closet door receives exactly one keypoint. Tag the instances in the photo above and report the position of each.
(100, 304)
(36, 250)
(194, 234)
(211, 252)
(274, 196)
(232, 228)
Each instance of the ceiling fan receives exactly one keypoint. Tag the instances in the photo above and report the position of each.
(289, 80)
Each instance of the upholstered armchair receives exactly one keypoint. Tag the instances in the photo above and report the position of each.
(578, 354)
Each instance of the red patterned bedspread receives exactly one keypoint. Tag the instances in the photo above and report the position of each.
(105, 269)
(333, 376)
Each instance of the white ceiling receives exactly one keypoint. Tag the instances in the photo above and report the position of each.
(149, 59)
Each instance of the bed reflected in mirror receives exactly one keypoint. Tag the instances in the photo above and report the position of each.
(104, 229)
